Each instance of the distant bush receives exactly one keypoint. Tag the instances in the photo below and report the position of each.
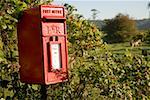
(142, 34)
(120, 29)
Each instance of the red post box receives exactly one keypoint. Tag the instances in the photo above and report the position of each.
(42, 45)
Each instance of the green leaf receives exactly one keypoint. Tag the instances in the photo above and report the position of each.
(4, 26)
(35, 87)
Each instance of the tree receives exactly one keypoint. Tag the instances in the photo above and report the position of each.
(94, 14)
(148, 6)
(120, 29)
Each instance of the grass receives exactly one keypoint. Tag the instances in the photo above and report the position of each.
(120, 48)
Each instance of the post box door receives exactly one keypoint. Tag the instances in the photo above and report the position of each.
(55, 58)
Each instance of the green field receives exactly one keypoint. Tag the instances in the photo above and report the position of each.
(121, 48)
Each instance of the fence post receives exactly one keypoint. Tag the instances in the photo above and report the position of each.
(43, 92)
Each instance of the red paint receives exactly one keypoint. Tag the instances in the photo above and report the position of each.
(38, 29)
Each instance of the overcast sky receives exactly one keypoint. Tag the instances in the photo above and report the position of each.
(136, 9)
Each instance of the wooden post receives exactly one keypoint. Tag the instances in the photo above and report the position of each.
(43, 92)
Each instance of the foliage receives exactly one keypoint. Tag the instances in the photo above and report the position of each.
(94, 72)
(82, 35)
(101, 75)
(120, 29)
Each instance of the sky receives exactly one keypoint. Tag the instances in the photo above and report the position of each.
(136, 9)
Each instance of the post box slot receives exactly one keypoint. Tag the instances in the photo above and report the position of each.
(45, 19)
